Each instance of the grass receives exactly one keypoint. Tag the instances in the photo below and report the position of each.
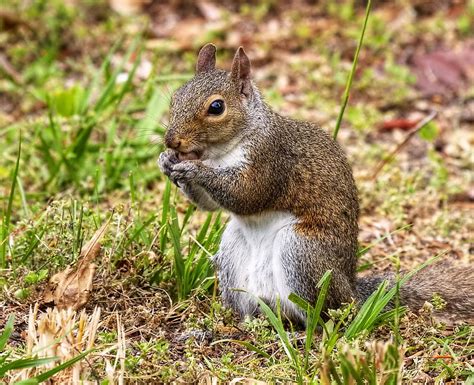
(351, 74)
(7, 213)
(90, 98)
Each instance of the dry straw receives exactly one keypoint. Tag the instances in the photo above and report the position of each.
(66, 334)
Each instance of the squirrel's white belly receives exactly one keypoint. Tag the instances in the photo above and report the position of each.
(250, 259)
(227, 155)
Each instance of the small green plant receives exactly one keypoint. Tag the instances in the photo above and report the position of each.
(67, 102)
(438, 302)
(299, 361)
(371, 313)
(313, 313)
(193, 269)
(361, 367)
(68, 149)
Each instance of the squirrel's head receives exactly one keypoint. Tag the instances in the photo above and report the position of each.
(212, 108)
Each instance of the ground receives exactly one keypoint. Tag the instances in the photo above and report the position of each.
(84, 97)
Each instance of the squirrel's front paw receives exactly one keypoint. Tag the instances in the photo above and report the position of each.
(167, 161)
(184, 172)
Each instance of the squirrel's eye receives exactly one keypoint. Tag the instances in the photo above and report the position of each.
(216, 107)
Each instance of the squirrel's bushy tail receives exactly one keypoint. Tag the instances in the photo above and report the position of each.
(454, 284)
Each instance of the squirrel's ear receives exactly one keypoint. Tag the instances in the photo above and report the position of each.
(241, 71)
(206, 59)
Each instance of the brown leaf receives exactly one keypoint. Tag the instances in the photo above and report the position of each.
(403, 124)
(444, 72)
(71, 287)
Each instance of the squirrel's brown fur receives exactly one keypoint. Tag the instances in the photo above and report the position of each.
(290, 191)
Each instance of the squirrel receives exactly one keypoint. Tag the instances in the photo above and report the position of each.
(291, 195)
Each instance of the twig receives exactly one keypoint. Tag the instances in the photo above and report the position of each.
(8, 68)
(412, 133)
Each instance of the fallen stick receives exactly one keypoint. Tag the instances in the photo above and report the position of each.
(412, 133)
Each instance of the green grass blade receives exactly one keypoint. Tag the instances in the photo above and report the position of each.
(187, 216)
(95, 81)
(7, 216)
(77, 245)
(277, 324)
(314, 315)
(370, 313)
(350, 373)
(7, 331)
(24, 203)
(107, 96)
(80, 144)
(300, 302)
(25, 363)
(50, 373)
(199, 241)
(164, 215)
(128, 82)
(351, 74)
(140, 229)
(360, 322)
(365, 249)
(179, 262)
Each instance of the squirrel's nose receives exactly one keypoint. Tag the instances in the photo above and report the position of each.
(173, 143)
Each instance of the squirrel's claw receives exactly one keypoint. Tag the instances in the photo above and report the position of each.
(166, 162)
(180, 173)
(184, 172)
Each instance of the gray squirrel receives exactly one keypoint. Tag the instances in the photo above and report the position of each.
(290, 193)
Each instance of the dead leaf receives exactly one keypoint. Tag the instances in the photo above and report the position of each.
(71, 288)
(403, 124)
(444, 72)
